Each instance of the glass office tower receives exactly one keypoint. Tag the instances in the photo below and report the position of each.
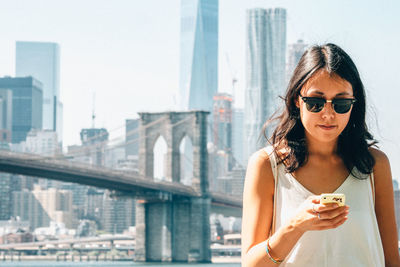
(27, 105)
(265, 71)
(42, 61)
(295, 52)
(5, 116)
(198, 54)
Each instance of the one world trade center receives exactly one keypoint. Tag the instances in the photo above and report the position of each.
(198, 54)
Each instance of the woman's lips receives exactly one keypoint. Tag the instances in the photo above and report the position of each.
(327, 127)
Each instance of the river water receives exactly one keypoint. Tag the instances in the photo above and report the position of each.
(106, 264)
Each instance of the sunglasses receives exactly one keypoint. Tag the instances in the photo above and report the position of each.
(340, 105)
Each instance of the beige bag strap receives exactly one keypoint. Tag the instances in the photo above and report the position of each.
(274, 166)
(371, 179)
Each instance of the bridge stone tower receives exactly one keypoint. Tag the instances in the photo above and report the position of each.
(170, 227)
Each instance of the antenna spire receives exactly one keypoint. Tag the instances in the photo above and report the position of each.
(93, 110)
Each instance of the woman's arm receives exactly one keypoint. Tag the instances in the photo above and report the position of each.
(257, 213)
(384, 208)
(257, 216)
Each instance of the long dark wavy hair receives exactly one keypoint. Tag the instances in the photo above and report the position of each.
(289, 134)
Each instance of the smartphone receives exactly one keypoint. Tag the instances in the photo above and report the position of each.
(340, 199)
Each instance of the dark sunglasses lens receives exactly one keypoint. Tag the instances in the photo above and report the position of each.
(315, 104)
(342, 105)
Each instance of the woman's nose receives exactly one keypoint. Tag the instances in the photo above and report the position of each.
(328, 110)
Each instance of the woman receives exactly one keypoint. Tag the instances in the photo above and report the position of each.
(321, 145)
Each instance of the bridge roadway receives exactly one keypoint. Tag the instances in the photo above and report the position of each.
(125, 182)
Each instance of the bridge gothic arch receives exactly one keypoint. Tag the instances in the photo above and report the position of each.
(186, 161)
(160, 149)
(175, 127)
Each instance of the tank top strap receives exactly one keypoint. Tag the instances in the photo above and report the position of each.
(274, 167)
(273, 160)
(372, 181)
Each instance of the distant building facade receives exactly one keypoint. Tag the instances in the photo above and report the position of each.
(118, 213)
(27, 105)
(19, 236)
(113, 155)
(42, 61)
(28, 208)
(232, 183)
(223, 184)
(237, 136)
(397, 210)
(5, 115)
(39, 206)
(238, 174)
(94, 143)
(5, 195)
(265, 71)
(14, 230)
(222, 121)
(222, 126)
(79, 199)
(42, 142)
(57, 204)
(131, 137)
(94, 207)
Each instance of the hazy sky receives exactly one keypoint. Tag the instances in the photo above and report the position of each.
(127, 51)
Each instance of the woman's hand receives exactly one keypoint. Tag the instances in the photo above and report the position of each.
(316, 216)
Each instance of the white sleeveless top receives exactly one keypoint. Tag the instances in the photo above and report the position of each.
(355, 243)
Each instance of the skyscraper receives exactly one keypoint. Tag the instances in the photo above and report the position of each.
(118, 213)
(131, 137)
(27, 105)
(222, 122)
(5, 115)
(295, 52)
(221, 160)
(42, 61)
(198, 54)
(93, 207)
(265, 70)
(237, 136)
(94, 142)
(397, 209)
(5, 195)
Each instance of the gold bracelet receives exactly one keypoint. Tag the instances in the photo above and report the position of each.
(268, 249)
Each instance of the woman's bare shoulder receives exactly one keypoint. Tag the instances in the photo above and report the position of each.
(381, 160)
(382, 172)
(260, 160)
(260, 156)
(259, 175)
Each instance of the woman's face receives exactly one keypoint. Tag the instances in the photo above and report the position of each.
(326, 125)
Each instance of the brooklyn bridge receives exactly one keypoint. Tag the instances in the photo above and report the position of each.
(172, 218)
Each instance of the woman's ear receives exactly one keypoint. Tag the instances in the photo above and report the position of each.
(296, 102)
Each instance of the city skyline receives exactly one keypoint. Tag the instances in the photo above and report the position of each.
(103, 50)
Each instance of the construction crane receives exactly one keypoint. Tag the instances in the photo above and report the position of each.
(233, 76)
